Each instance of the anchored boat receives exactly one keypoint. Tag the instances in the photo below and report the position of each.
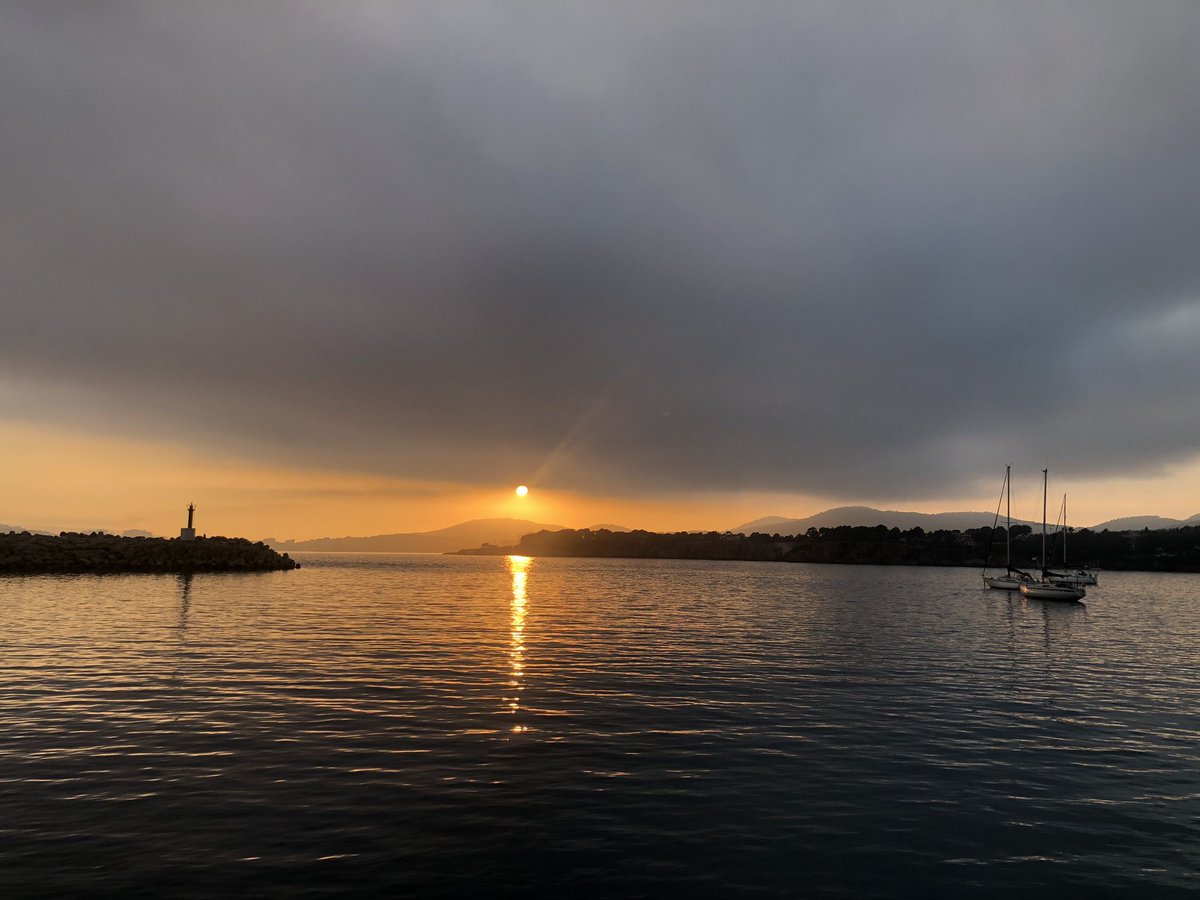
(1051, 587)
(1069, 575)
(1012, 579)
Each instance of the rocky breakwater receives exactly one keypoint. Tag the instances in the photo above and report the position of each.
(25, 553)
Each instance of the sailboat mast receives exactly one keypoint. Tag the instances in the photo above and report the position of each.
(1008, 518)
(1045, 485)
(1064, 531)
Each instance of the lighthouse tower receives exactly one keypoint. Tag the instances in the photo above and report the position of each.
(189, 533)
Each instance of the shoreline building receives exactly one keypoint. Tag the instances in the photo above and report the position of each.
(188, 533)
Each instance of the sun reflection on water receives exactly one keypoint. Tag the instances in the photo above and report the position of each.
(519, 566)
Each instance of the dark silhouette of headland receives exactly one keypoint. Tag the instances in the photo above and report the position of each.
(71, 552)
(1167, 550)
(97, 552)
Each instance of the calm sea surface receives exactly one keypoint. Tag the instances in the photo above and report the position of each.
(426, 725)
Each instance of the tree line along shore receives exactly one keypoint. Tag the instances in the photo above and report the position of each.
(73, 552)
(1166, 550)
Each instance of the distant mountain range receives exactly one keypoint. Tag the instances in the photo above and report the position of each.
(476, 533)
(5, 529)
(765, 525)
(951, 521)
(507, 532)
(865, 515)
(133, 532)
(1137, 523)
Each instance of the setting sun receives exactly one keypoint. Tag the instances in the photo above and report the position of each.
(522, 490)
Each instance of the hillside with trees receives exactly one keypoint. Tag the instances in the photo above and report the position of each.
(1168, 550)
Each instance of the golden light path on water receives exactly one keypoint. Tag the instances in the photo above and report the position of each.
(519, 566)
(737, 709)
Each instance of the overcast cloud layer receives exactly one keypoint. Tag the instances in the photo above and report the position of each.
(844, 249)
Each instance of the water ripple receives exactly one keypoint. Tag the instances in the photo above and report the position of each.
(450, 726)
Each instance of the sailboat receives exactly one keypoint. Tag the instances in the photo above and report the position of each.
(1069, 575)
(1012, 578)
(1050, 587)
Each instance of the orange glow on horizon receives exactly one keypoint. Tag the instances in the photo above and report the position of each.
(57, 478)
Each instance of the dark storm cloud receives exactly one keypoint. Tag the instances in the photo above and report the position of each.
(850, 249)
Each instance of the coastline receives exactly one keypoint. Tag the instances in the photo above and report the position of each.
(1168, 550)
(23, 553)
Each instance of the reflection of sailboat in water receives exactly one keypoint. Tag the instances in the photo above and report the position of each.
(519, 566)
(1057, 619)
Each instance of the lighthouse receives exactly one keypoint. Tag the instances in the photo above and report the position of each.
(189, 533)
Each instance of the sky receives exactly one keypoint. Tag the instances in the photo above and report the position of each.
(362, 268)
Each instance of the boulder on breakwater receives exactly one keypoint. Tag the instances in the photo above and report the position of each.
(70, 552)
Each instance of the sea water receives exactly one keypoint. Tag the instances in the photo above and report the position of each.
(442, 726)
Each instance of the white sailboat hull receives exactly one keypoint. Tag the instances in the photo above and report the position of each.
(1049, 590)
(1003, 582)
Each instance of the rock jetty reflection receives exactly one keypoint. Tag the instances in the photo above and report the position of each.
(71, 552)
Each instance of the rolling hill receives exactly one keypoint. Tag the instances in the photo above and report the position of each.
(951, 521)
(865, 515)
(1137, 523)
(474, 533)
